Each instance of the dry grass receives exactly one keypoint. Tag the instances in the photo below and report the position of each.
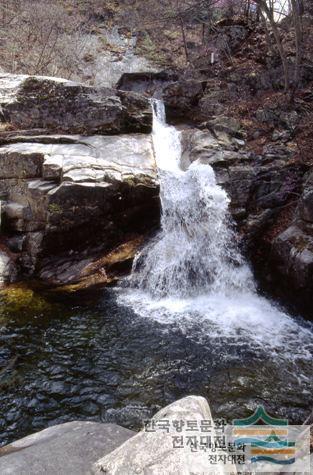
(4, 126)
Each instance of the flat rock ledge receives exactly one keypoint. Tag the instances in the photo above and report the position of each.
(61, 106)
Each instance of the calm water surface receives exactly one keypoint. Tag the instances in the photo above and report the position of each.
(88, 357)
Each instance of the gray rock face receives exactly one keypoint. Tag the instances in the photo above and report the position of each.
(58, 105)
(94, 159)
(234, 168)
(119, 57)
(180, 95)
(60, 187)
(66, 449)
(293, 251)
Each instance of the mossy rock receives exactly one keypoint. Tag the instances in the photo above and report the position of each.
(18, 300)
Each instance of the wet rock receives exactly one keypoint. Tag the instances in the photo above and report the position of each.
(234, 170)
(153, 451)
(268, 194)
(8, 269)
(240, 183)
(65, 449)
(183, 95)
(257, 224)
(74, 273)
(200, 145)
(137, 115)
(207, 147)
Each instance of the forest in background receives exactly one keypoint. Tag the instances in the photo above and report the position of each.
(54, 38)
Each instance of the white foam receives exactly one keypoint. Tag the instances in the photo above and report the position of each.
(192, 273)
(245, 318)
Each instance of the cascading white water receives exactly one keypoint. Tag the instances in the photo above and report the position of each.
(192, 270)
(196, 250)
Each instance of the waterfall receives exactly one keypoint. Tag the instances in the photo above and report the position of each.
(196, 251)
(192, 275)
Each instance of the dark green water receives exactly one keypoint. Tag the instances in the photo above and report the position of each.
(88, 357)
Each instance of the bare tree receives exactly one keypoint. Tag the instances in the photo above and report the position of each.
(273, 11)
(267, 9)
(297, 12)
(39, 37)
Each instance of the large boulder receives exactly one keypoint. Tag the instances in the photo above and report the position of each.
(154, 451)
(181, 95)
(62, 106)
(65, 449)
(146, 82)
(75, 197)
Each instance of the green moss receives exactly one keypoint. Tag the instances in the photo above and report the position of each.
(54, 208)
(18, 299)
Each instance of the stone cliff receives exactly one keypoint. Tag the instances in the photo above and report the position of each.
(79, 185)
(69, 200)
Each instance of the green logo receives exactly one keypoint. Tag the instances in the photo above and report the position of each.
(266, 436)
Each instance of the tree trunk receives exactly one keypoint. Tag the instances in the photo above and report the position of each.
(182, 26)
(270, 15)
(298, 40)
